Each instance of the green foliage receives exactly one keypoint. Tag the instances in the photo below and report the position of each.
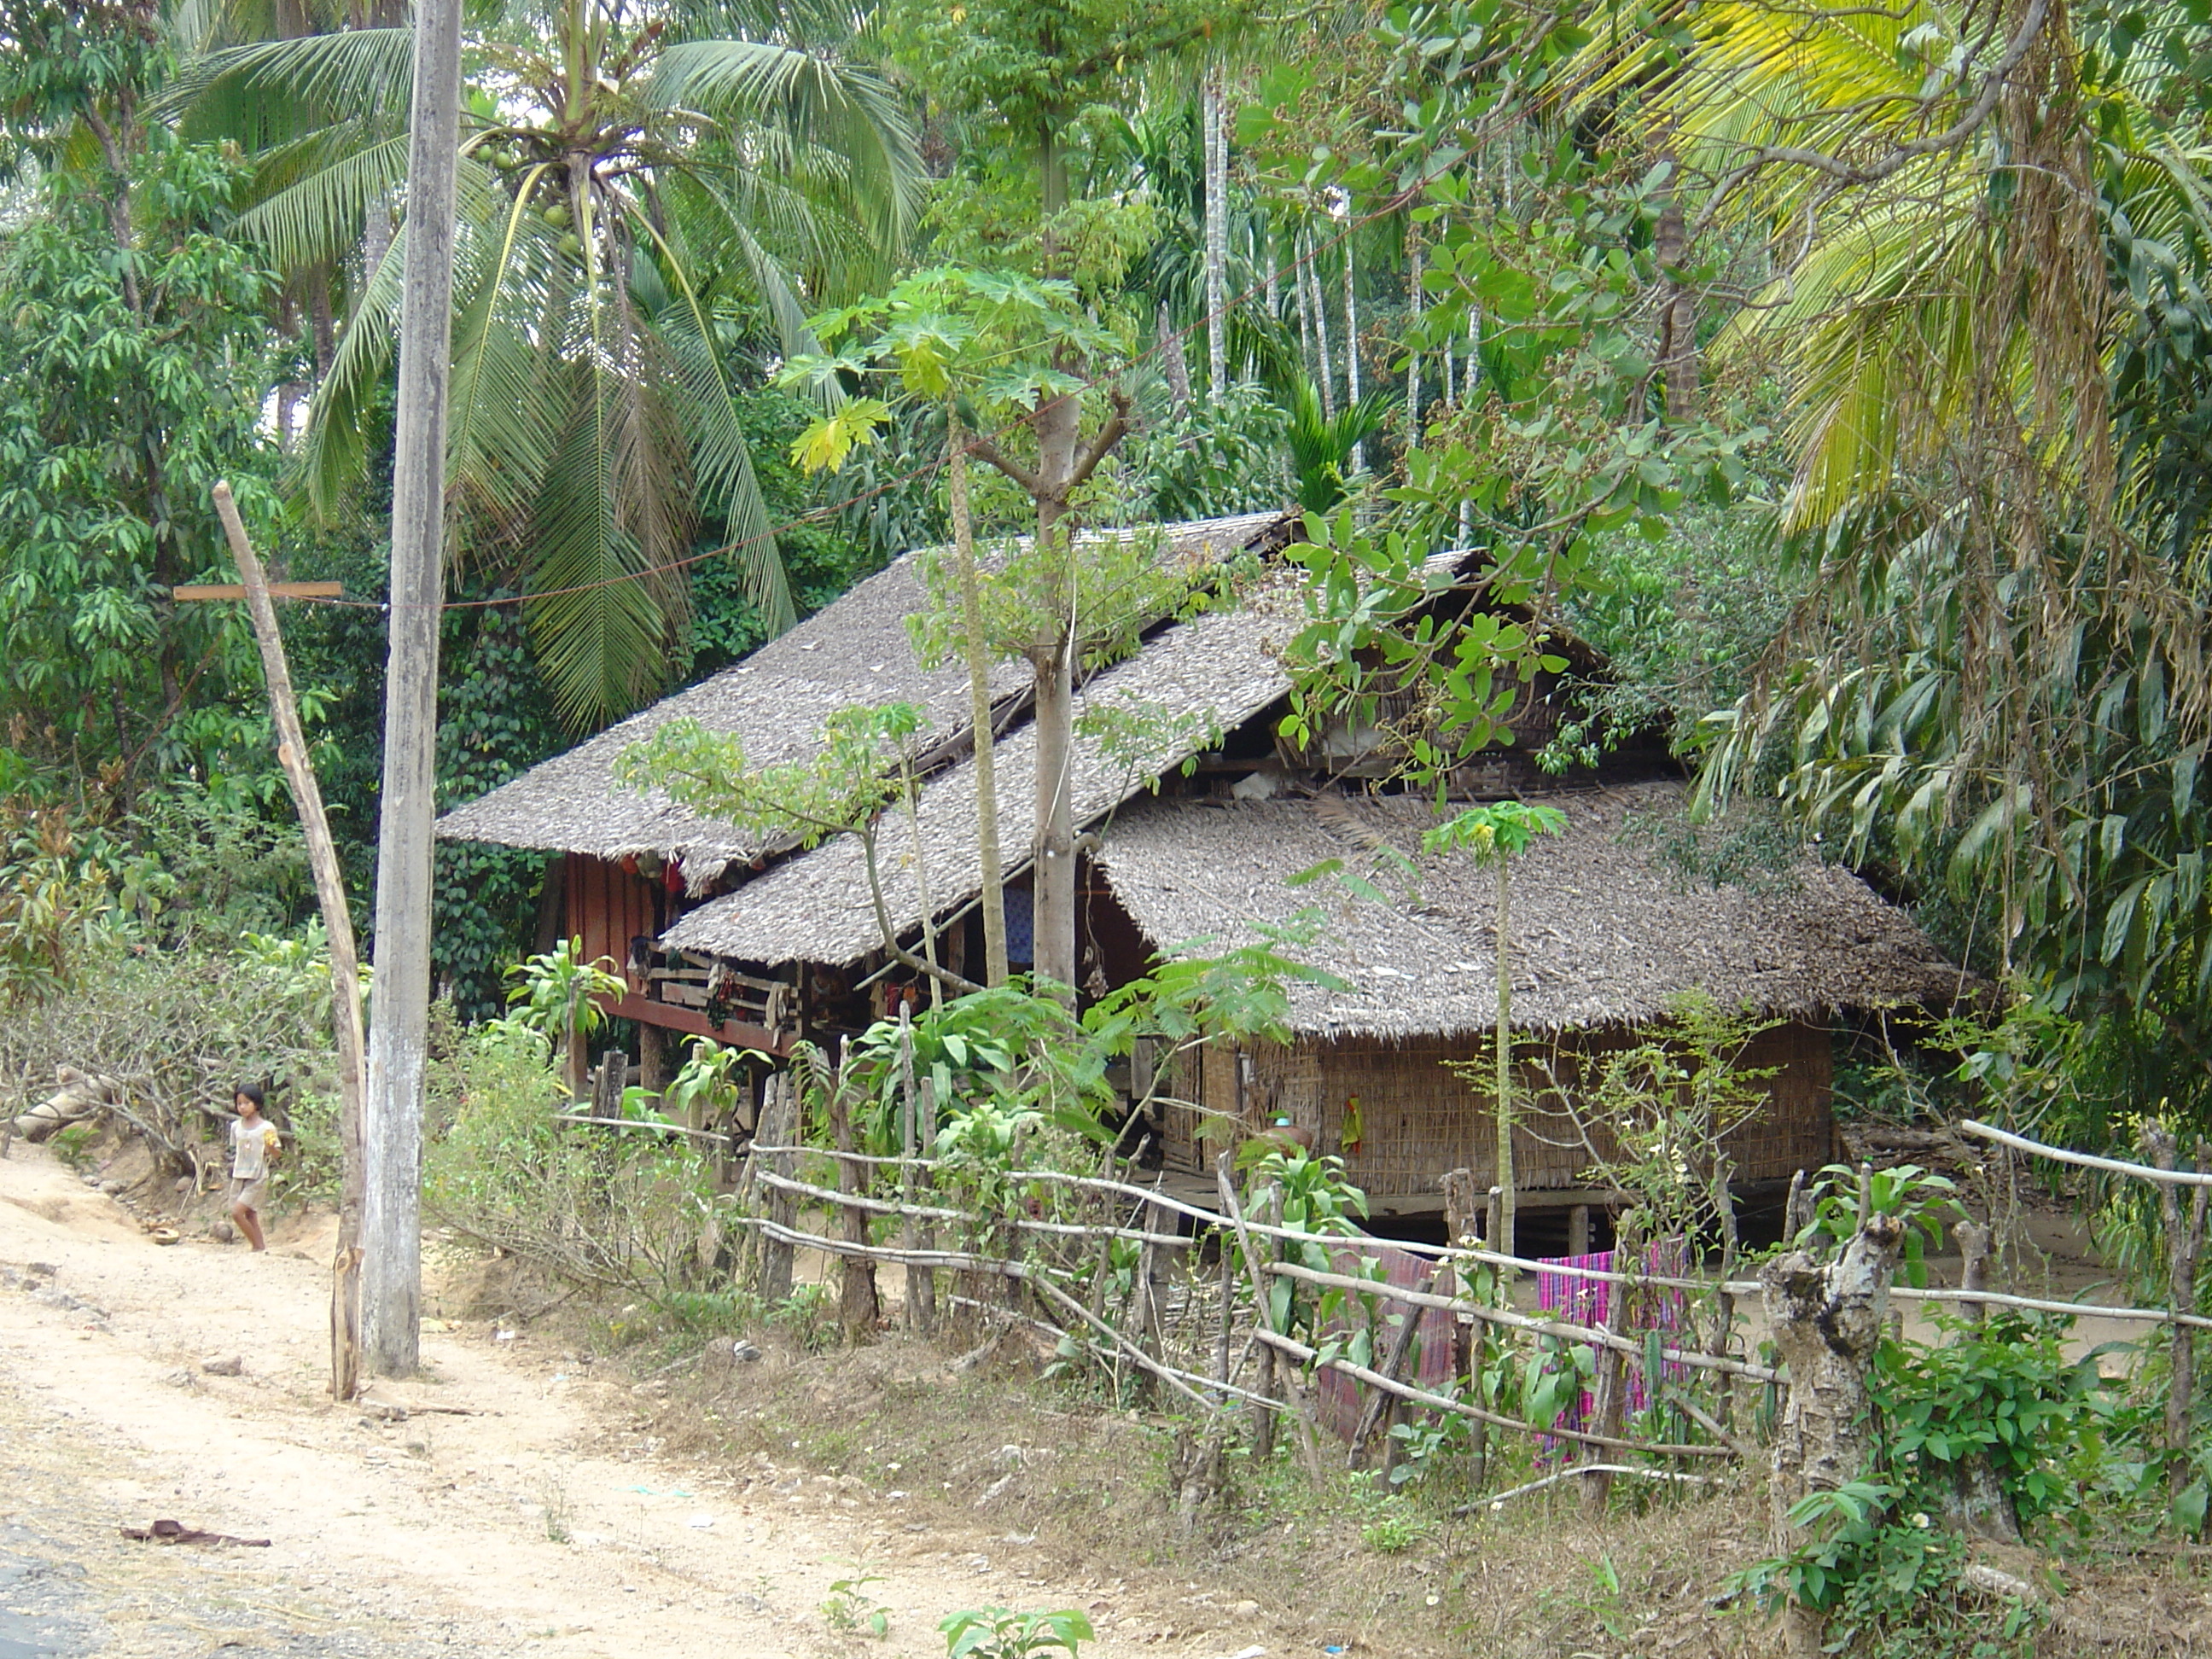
(849, 1610)
(559, 995)
(1374, 629)
(1926, 1202)
(125, 401)
(1221, 455)
(1496, 833)
(1002, 1633)
(202, 866)
(626, 1213)
(2003, 1391)
(54, 905)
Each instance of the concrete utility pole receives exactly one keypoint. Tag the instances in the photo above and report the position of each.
(391, 1230)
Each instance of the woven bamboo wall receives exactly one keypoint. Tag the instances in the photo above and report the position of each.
(1420, 1120)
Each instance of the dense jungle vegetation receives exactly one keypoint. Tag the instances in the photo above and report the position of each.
(1839, 371)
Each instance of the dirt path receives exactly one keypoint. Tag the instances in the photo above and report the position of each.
(433, 1535)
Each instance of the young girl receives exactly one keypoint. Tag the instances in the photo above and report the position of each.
(253, 1146)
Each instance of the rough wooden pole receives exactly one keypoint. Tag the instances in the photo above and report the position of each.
(857, 1303)
(779, 1127)
(1827, 1321)
(920, 1282)
(292, 754)
(391, 1223)
(2184, 1238)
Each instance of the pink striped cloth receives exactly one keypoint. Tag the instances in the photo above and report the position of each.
(1591, 1302)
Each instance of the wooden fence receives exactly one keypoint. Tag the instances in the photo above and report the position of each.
(1191, 1299)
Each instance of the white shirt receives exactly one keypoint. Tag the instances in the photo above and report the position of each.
(249, 1146)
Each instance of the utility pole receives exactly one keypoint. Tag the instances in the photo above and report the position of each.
(391, 1222)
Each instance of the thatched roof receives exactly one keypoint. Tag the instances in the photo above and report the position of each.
(1602, 934)
(1211, 674)
(854, 652)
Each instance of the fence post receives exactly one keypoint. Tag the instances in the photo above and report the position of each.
(2185, 1240)
(1973, 1267)
(920, 1282)
(857, 1307)
(1263, 1418)
(779, 1127)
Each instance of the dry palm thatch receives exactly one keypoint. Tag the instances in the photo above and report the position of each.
(1605, 934)
(1188, 686)
(854, 651)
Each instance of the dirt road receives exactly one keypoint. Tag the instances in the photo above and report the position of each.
(522, 1512)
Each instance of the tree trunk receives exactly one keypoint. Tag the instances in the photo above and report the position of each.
(1311, 273)
(1502, 1239)
(293, 754)
(1827, 1321)
(1057, 425)
(392, 1265)
(1217, 233)
(1053, 907)
(1351, 347)
(1678, 313)
(978, 653)
(1413, 304)
(1175, 363)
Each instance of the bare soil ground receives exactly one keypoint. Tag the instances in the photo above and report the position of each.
(433, 1533)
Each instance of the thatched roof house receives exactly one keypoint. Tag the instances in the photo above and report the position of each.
(627, 866)
(1199, 839)
(854, 652)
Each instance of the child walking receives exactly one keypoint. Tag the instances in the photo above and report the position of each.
(253, 1147)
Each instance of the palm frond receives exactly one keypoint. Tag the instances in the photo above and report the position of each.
(750, 84)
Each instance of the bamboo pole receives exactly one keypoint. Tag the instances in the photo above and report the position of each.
(293, 755)
(2087, 1160)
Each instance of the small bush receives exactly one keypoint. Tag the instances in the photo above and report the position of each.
(624, 1212)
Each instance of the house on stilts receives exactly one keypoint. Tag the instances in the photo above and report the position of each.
(723, 935)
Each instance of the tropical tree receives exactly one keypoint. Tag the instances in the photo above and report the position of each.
(1497, 835)
(641, 193)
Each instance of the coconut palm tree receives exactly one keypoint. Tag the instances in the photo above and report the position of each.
(642, 189)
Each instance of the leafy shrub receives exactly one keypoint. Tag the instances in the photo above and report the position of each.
(621, 1211)
(1002, 1633)
(179, 1029)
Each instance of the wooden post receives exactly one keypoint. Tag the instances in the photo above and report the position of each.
(293, 755)
(1973, 1267)
(1263, 1419)
(654, 1070)
(392, 1241)
(1578, 1229)
(857, 1305)
(1496, 1226)
(608, 1084)
(1460, 1213)
(920, 1282)
(2185, 1240)
(779, 1127)
(1379, 1411)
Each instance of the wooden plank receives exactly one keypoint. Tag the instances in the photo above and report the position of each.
(669, 1017)
(191, 593)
